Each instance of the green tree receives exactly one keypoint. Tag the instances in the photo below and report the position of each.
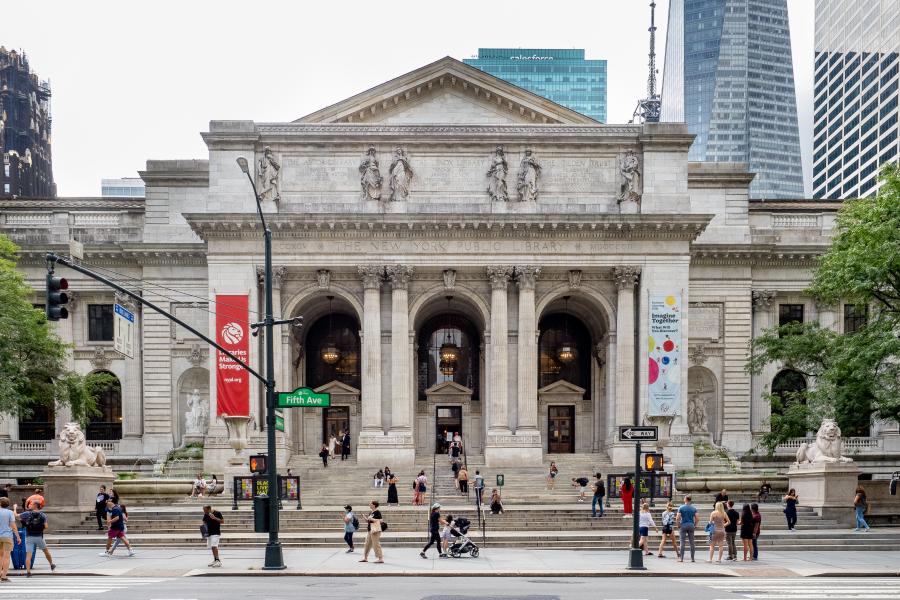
(32, 358)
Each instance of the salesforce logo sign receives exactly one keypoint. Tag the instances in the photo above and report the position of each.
(232, 333)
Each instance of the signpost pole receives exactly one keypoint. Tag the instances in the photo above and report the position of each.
(635, 556)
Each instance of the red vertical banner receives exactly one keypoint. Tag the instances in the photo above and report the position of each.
(233, 334)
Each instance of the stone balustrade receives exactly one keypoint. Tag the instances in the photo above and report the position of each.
(852, 445)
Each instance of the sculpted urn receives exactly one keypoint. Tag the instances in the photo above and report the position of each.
(237, 434)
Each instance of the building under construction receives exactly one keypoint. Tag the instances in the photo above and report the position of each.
(24, 129)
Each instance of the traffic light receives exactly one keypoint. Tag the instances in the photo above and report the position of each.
(57, 298)
(653, 461)
(258, 464)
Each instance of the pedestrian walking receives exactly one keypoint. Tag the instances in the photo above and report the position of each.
(479, 487)
(645, 522)
(213, 520)
(392, 497)
(581, 483)
(35, 522)
(351, 524)
(747, 526)
(434, 531)
(757, 528)
(332, 446)
(100, 507)
(626, 492)
(118, 541)
(420, 489)
(731, 529)
(718, 518)
(551, 475)
(790, 509)
(114, 495)
(599, 493)
(115, 520)
(374, 526)
(9, 536)
(345, 446)
(860, 506)
(463, 478)
(686, 520)
(668, 530)
(36, 500)
(323, 454)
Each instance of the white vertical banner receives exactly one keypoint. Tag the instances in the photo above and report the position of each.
(664, 345)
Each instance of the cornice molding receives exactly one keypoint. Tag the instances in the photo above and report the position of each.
(756, 255)
(176, 254)
(58, 204)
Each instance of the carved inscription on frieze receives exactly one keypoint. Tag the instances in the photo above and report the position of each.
(527, 248)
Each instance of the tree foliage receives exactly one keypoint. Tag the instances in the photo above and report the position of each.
(33, 360)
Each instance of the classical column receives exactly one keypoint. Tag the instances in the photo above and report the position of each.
(278, 274)
(527, 401)
(401, 409)
(498, 414)
(762, 301)
(371, 348)
(828, 315)
(626, 280)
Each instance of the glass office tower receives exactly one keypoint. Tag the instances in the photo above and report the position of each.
(855, 128)
(564, 76)
(728, 74)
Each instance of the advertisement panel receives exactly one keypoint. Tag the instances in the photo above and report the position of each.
(664, 343)
(233, 334)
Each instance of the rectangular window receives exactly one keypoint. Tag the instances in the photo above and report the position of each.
(855, 317)
(790, 313)
(100, 322)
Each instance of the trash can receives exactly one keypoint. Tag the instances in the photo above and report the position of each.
(261, 513)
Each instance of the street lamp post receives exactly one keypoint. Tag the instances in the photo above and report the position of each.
(274, 556)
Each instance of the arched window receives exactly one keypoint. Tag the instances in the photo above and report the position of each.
(464, 370)
(564, 351)
(39, 425)
(332, 351)
(108, 424)
(789, 386)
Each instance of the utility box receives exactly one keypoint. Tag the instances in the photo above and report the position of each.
(261, 514)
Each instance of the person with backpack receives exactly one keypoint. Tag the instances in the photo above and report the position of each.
(351, 524)
(860, 506)
(213, 520)
(581, 483)
(35, 522)
(599, 493)
(479, 487)
(100, 507)
(8, 533)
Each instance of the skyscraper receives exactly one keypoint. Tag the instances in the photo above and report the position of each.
(564, 76)
(855, 103)
(728, 74)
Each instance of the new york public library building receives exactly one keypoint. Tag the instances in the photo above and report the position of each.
(466, 256)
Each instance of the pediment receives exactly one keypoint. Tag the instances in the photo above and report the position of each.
(337, 387)
(447, 91)
(562, 387)
(447, 388)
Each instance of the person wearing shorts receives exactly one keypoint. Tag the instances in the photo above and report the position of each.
(8, 532)
(35, 522)
(213, 520)
(115, 519)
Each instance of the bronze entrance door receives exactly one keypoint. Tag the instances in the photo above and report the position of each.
(335, 421)
(561, 429)
(448, 419)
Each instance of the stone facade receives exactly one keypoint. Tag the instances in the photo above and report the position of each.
(388, 265)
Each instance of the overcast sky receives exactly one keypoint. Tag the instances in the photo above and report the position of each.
(135, 81)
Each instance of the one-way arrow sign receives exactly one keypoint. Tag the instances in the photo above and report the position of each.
(643, 433)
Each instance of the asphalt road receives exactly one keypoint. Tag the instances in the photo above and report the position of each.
(462, 588)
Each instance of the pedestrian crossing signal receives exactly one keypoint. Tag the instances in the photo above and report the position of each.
(258, 464)
(653, 461)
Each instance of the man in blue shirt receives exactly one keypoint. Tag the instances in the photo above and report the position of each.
(115, 517)
(687, 521)
(8, 531)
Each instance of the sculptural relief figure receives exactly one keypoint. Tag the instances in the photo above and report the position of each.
(497, 176)
(697, 419)
(401, 176)
(631, 188)
(267, 172)
(196, 419)
(370, 176)
(529, 172)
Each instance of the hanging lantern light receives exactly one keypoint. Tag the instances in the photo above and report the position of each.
(566, 352)
(449, 351)
(330, 353)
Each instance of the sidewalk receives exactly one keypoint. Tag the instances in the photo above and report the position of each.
(179, 562)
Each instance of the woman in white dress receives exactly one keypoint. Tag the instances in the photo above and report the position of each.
(332, 445)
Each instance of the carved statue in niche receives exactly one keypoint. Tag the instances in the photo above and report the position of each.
(529, 172)
(631, 187)
(497, 176)
(370, 176)
(196, 419)
(697, 419)
(267, 172)
(401, 176)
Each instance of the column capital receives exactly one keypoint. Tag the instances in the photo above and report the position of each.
(399, 275)
(526, 276)
(371, 276)
(762, 299)
(278, 274)
(626, 276)
(499, 276)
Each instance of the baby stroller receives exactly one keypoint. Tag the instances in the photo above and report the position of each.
(459, 528)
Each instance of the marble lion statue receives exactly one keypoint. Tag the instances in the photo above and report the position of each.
(826, 448)
(74, 451)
